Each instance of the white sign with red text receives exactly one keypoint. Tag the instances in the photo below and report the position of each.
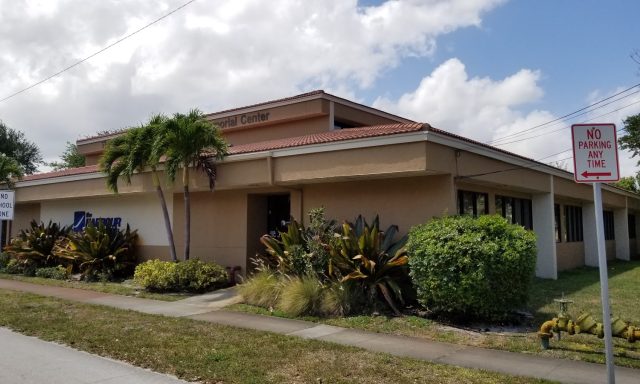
(595, 153)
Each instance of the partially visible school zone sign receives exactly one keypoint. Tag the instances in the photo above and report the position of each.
(595, 153)
(7, 201)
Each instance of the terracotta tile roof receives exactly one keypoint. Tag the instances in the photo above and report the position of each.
(318, 138)
(471, 141)
(327, 137)
(64, 172)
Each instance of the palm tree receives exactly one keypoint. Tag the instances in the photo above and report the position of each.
(189, 141)
(10, 169)
(131, 152)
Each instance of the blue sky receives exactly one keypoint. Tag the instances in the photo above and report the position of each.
(484, 69)
(579, 46)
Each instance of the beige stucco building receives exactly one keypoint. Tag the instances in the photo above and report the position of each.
(319, 150)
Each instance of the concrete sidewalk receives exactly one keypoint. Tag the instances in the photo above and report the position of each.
(205, 309)
(27, 360)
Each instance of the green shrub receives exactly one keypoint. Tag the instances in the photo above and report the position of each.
(192, 276)
(33, 247)
(15, 267)
(56, 273)
(470, 268)
(4, 260)
(301, 296)
(197, 276)
(156, 275)
(101, 252)
(262, 289)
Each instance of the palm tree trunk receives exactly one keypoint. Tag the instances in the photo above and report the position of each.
(165, 214)
(187, 211)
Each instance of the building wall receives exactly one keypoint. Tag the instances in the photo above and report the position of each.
(570, 255)
(278, 131)
(23, 215)
(370, 162)
(361, 118)
(218, 227)
(402, 201)
(140, 211)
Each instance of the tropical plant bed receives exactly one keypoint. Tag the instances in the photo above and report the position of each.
(123, 288)
(580, 285)
(209, 353)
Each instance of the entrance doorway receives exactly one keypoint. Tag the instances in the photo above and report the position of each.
(278, 214)
(266, 214)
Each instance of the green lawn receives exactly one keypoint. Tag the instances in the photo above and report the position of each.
(108, 287)
(580, 285)
(209, 353)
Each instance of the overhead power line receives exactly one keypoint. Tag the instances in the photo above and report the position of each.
(568, 126)
(97, 52)
(576, 112)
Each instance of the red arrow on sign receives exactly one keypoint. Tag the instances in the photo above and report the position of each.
(589, 174)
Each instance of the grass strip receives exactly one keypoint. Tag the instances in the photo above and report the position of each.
(209, 353)
(581, 285)
(106, 287)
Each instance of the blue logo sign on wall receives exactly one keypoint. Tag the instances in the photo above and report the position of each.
(82, 218)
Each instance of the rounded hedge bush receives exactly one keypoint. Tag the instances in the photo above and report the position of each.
(190, 276)
(472, 268)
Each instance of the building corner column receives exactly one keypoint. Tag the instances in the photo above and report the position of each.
(544, 227)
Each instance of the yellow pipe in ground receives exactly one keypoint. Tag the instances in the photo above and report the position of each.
(586, 324)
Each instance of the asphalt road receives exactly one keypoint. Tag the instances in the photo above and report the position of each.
(28, 360)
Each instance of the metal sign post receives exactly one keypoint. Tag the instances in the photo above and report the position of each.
(595, 159)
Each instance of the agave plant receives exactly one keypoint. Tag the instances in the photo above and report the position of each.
(100, 251)
(371, 258)
(34, 246)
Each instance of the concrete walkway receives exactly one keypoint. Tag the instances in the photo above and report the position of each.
(27, 360)
(206, 308)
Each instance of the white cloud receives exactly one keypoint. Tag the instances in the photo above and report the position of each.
(480, 108)
(490, 111)
(211, 55)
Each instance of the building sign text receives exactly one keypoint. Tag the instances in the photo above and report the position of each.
(82, 218)
(7, 201)
(244, 119)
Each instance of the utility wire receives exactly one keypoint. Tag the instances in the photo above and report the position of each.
(573, 113)
(494, 142)
(531, 167)
(97, 52)
(568, 126)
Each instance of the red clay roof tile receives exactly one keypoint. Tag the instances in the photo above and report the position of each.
(327, 137)
(64, 172)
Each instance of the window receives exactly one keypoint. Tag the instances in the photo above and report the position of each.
(517, 211)
(473, 203)
(556, 216)
(632, 226)
(573, 223)
(609, 231)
